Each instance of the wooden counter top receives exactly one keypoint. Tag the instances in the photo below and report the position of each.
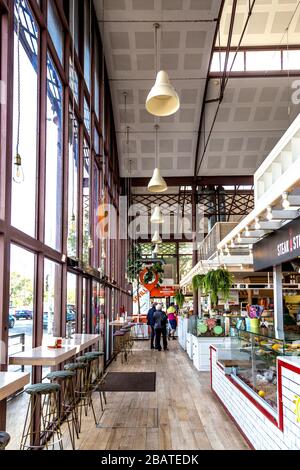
(11, 382)
(44, 356)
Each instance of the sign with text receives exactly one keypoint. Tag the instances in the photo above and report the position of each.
(281, 246)
(144, 296)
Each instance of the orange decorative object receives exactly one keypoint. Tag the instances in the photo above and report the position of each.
(152, 284)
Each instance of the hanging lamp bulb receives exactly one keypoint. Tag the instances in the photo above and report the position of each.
(156, 249)
(18, 174)
(156, 217)
(162, 99)
(156, 238)
(157, 183)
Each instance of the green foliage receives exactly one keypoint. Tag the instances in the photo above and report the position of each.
(134, 262)
(156, 268)
(21, 290)
(179, 298)
(218, 282)
(198, 282)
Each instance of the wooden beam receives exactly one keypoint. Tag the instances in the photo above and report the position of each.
(200, 180)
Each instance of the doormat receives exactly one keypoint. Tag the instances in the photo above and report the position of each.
(128, 382)
(128, 417)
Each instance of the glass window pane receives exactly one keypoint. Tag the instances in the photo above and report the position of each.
(55, 29)
(21, 311)
(53, 158)
(87, 45)
(185, 265)
(74, 81)
(71, 314)
(97, 80)
(25, 79)
(73, 186)
(218, 62)
(87, 116)
(74, 16)
(86, 203)
(185, 248)
(263, 60)
(52, 301)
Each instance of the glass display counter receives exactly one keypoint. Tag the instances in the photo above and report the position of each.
(209, 327)
(251, 359)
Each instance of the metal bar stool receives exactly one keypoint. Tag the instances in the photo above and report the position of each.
(4, 439)
(87, 388)
(68, 405)
(96, 373)
(119, 344)
(80, 388)
(44, 398)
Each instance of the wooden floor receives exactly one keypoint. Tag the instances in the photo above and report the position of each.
(181, 414)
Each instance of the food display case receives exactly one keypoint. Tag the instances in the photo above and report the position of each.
(253, 360)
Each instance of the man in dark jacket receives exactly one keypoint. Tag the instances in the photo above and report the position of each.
(160, 327)
(150, 322)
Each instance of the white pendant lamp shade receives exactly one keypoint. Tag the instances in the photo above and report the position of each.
(162, 99)
(156, 217)
(156, 249)
(157, 184)
(156, 238)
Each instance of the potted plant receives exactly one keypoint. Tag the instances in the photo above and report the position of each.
(218, 282)
(179, 298)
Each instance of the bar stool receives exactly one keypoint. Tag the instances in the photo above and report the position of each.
(87, 389)
(68, 405)
(96, 373)
(4, 439)
(118, 343)
(44, 398)
(80, 390)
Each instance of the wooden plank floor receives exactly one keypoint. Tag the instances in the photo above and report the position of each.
(181, 414)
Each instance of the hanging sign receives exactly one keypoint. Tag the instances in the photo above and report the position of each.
(163, 291)
(144, 296)
(281, 246)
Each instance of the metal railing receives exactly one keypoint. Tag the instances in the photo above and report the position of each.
(15, 347)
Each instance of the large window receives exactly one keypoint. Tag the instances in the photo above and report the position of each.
(25, 120)
(21, 311)
(55, 29)
(87, 241)
(87, 44)
(73, 186)
(52, 300)
(54, 158)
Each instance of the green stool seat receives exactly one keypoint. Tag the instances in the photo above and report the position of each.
(42, 388)
(83, 359)
(4, 439)
(60, 374)
(94, 353)
(75, 366)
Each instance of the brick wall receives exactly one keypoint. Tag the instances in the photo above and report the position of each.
(262, 431)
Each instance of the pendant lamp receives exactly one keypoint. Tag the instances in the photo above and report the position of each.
(157, 183)
(162, 99)
(156, 249)
(156, 217)
(156, 238)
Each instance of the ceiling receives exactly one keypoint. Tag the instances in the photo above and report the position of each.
(253, 115)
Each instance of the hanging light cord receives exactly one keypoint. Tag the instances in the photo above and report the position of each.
(19, 84)
(156, 146)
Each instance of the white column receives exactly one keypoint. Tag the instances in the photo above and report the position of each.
(278, 298)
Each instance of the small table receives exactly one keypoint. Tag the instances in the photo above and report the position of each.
(44, 356)
(11, 382)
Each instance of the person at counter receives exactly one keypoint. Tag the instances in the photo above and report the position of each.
(288, 320)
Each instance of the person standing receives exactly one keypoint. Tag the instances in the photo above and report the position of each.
(160, 327)
(171, 314)
(150, 323)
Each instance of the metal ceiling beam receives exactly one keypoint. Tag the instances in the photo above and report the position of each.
(246, 180)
